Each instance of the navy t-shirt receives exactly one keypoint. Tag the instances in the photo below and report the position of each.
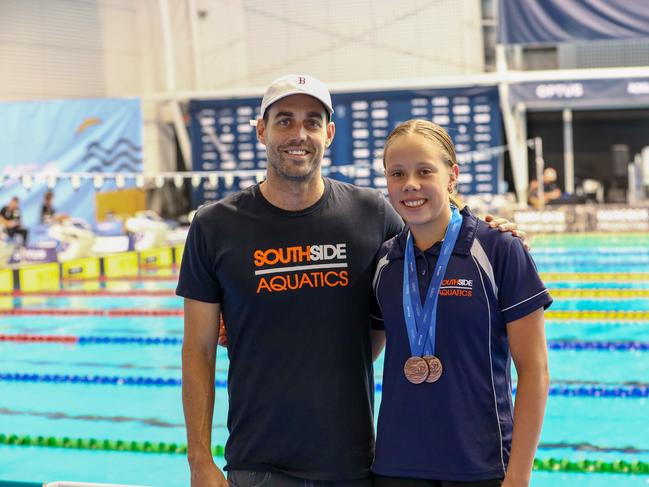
(11, 215)
(295, 293)
(460, 427)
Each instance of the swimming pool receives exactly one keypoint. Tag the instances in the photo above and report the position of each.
(97, 397)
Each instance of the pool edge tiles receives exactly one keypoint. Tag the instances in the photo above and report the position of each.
(6, 280)
(9, 483)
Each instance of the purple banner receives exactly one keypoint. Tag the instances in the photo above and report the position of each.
(552, 21)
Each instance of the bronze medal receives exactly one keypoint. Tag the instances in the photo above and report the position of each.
(434, 368)
(416, 370)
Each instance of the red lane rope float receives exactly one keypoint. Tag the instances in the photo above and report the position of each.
(143, 277)
(90, 312)
(22, 337)
(92, 339)
(573, 345)
(93, 292)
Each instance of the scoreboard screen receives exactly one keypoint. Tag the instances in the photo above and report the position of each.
(224, 142)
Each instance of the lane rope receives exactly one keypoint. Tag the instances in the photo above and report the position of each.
(591, 466)
(626, 315)
(90, 312)
(91, 292)
(599, 323)
(579, 292)
(90, 340)
(27, 338)
(592, 345)
(572, 345)
(569, 390)
(142, 277)
(563, 315)
(599, 293)
(594, 276)
(152, 447)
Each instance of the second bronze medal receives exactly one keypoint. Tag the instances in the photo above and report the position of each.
(434, 368)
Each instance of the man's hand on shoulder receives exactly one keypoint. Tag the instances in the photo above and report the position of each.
(505, 225)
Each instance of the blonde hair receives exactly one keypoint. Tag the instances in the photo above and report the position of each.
(431, 131)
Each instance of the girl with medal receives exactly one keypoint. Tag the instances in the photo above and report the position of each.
(458, 302)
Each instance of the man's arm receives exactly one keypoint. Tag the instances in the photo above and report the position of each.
(555, 194)
(3, 218)
(377, 337)
(199, 360)
(528, 348)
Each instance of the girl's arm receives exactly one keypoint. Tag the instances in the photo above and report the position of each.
(528, 348)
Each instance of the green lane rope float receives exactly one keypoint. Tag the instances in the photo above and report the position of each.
(592, 240)
(100, 445)
(548, 464)
(591, 466)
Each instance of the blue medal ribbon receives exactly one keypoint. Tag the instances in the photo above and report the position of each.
(421, 322)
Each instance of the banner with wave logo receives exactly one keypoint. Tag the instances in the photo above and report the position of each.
(47, 138)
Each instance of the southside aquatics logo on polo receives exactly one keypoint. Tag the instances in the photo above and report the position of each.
(301, 266)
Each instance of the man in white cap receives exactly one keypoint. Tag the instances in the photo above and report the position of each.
(289, 264)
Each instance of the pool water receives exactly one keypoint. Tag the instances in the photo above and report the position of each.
(48, 396)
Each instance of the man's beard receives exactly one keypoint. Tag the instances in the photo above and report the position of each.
(283, 166)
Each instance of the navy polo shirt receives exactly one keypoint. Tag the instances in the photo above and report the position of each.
(460, 427)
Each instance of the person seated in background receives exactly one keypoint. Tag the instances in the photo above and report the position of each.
(551, 190)
(10, 220)
(48, 213)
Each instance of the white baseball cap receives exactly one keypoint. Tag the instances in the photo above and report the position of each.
(296, 84)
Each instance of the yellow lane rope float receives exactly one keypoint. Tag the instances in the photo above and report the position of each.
(598, 315)
(599, 293)
(595, 276)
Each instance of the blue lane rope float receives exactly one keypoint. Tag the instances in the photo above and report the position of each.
(570, 390)
(600, 391)
(590, 447)
(588, 345)
(91, 379)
